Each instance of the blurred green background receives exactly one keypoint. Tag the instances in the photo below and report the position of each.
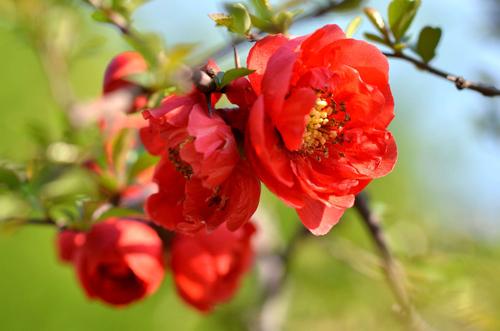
(440, 206)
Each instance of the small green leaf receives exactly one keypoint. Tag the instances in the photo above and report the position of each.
(119, 212)
(427, 43)
(399, 47)
(221, 19)
(401, 14)
(100, 16)
(376, 19)
(234, 74)
(263, 9)
(9, 178)
(347, 5)
(241, 21)
(143, 162)
(353, 27)
(260, 24)
(375, 38)
(283, 20)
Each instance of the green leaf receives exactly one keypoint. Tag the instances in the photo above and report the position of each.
(120, 148)
(260, 24)
(401, 14)
(221, 19)
(119, 212)
(143, 162)
(376, 19)
(100, 16)
(427, 42)
(347, 5)
(234, 74)
(263, 9)
(353, 27)
(9, 178)
(241, 21)
(375, 38)
(283, 20)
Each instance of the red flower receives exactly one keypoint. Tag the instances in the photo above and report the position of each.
(202, 181)
(198, 144)
(119, 261)
(118, 73)
(208, 268)
(317, 133)
(187, 206)
(68, 242)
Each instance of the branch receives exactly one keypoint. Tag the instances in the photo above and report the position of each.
(392, 273)
(460, 82)
(116, 19)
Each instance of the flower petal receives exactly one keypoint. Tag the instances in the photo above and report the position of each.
(313, 44)
(276, 80)
(319, 219)
(259, 55)
(293, 119)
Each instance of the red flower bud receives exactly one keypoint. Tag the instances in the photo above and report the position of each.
(208, 268)
(120, 261)
(67, 243)
(118, 73)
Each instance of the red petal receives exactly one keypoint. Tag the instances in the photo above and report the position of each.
(213, 154)
(367, 59)
(152, 141)
(276, 80)
(165, 207)
(319, 219)
(267, 147)
(120, 68)
(365, 104)
(293, 119)
(243, 191)
(318, 78)
(313, 45)
(260, 54)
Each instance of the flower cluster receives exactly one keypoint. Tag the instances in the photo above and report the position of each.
(120, 261)
(310, 122)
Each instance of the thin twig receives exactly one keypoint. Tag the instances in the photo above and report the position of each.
(47, 221)
(116, 19)
(392, 273)
(460, 82)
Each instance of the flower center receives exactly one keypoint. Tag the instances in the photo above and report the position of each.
(324, 126)
(184, 168)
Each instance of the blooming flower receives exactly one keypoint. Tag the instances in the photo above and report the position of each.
(208, 268)
(119, 72)
(317, 133)
(119, 261)
(202, 180)
(185, 205)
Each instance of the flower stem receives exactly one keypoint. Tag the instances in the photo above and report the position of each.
(460, 82)
(391, 270)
